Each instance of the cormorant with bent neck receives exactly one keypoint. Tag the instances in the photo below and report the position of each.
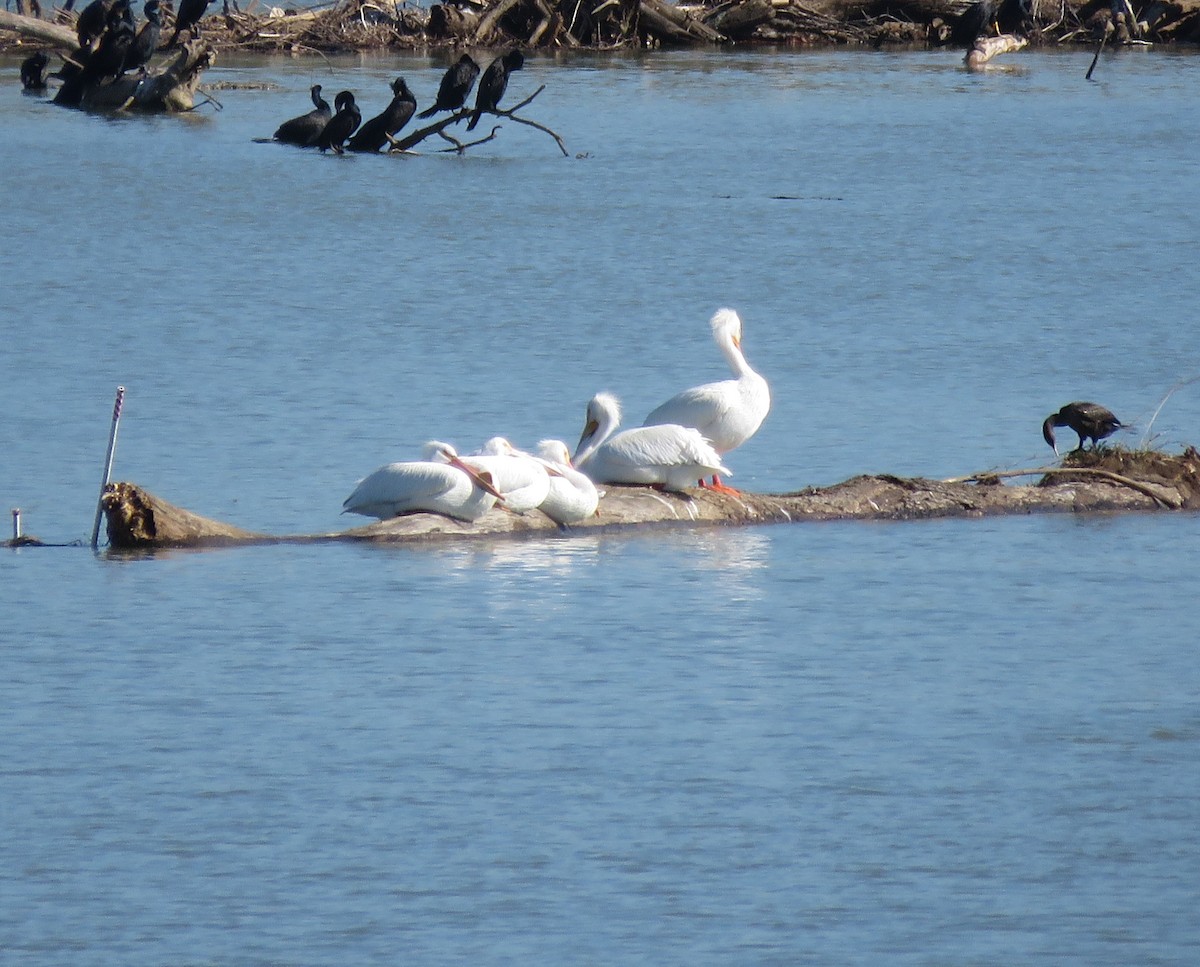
(342, 124)
(375, 133)
(1089, 420)
(493, 84)
(456, 85)
(306, 129)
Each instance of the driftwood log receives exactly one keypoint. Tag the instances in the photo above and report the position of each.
(1103, 481)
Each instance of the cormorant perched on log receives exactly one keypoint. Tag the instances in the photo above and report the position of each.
(33, 71)
(146, 42)
(493, 84)
(306, 129)
(108, 59)
(456, 85)
(342, 124)
(190, 12)
(90, 23)
(1089, 420)
(374, 134)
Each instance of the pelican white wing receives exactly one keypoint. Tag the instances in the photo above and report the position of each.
(423, 485)
(675, 456)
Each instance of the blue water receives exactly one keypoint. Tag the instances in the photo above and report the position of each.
(948, 742)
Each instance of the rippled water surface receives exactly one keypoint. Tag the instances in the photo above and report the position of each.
(927, 743)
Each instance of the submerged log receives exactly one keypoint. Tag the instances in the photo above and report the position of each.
(1094, 481)
(985, 48)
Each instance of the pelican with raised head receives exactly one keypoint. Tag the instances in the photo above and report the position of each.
(440, 484)
(729, 412)
(670, 456)
(1090, 420)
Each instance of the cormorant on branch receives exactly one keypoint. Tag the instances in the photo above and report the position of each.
(146, 42)
(1089, 420)
(456, 85)
(342, 124)
(493, 84)
(306, 129)
(374, 133)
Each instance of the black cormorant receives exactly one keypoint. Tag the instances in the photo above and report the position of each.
(190, 12)
(90, 23)
(342, 124)
(1089, 420)
(108, 59)
(374, 133)
(305, 129)
(146, 42)
(456, 85)
(493, 83)
(33, 71)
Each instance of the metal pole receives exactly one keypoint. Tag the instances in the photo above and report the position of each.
(108, 462)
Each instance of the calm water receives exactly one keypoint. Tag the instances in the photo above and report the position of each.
(956, 742)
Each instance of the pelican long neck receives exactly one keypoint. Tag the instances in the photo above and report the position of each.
(728, 339)
(601, 424)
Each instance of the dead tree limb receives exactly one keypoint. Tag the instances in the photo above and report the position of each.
(439, 128)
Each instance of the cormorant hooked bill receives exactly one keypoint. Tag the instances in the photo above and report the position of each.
(456, 85)
(1089, 420)
(374, 134)
(342, 124)
(493, 84)
(305, 129)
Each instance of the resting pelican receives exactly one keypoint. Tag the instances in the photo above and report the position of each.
(522, 479)
(439, 484)
(727, 413)
(674, 457)
(1086, 419)
(573, 497)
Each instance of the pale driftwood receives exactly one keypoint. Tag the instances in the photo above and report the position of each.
(137, 518)
(55, 35)
(671, 23)
(986, 48)
(738, 20)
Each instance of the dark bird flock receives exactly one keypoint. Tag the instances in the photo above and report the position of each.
(110, 45)
(339, 130)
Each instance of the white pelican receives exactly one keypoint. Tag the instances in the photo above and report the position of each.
(573, 497)
(439, 484)
(729, 412)
(674, 456)
(522, 479)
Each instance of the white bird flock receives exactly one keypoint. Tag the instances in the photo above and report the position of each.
(682, 442)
